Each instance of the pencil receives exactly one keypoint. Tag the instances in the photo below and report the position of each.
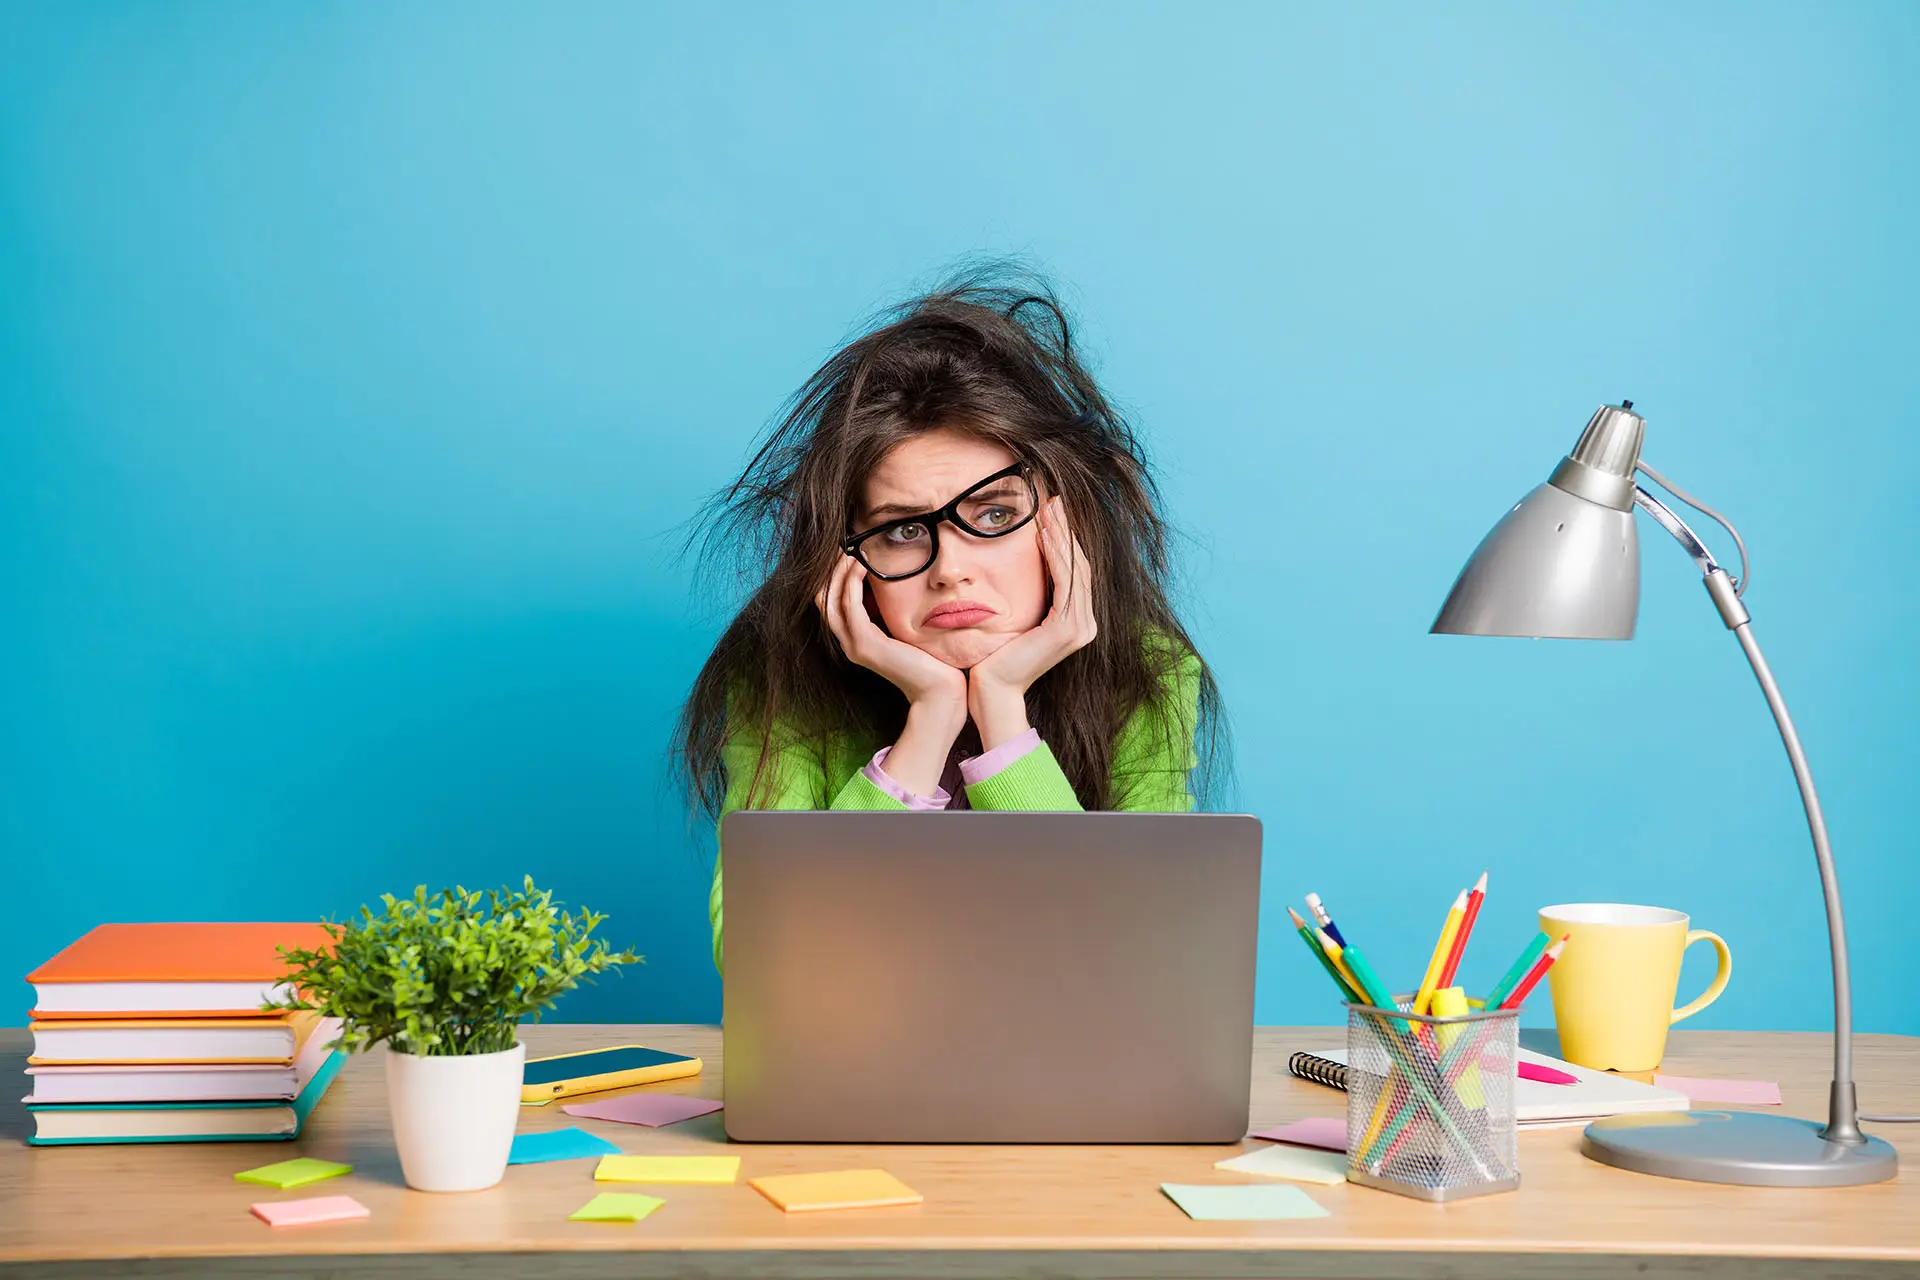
(1326, 961)
(1441, 950)
(1326, 921)
(1540, 967)
(1338, 954)
(1476, 896)
(1519, 970)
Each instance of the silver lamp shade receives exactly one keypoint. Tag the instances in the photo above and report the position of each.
(1565, 562)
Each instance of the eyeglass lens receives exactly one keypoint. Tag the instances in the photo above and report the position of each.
(989, 510)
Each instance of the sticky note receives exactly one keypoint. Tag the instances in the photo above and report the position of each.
(558, 1144)
(1321, 1131)
(1269, 1203)
(644, 1108)
(667, 1169)
(616, 1206)
(847, 1189)
(1762, 1092)
(293, 1173)
(1323, 1167)
(302, 1213)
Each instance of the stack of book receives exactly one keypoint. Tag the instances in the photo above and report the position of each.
(155, 1033)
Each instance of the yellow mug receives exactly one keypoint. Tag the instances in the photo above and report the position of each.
(1613, 986)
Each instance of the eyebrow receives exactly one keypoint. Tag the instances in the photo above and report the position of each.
(888, 510)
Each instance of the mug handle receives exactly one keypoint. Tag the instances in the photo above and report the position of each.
(1719, 982)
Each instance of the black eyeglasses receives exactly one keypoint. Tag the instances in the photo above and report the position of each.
(993, 508)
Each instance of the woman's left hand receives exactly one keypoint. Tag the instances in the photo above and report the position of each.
(997, 685)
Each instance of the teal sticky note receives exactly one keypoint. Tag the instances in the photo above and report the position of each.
(558, 1144)
(1243, 1204)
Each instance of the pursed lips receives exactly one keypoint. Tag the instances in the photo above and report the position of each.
(957, 613)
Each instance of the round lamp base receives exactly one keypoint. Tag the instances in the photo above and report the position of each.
(1736, 1146)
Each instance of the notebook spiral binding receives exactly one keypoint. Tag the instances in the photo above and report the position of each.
(1319, 1070)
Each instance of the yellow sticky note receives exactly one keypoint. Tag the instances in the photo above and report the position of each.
(616, 1206)
(667, 1169)
(1323, 1167)
(851, 1189)
(293, 1173)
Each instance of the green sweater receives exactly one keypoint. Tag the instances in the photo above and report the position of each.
(1148, 776)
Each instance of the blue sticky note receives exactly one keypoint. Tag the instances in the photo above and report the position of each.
(1243, 1203)
(558, 1144)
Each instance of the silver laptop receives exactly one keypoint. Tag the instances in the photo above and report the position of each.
(989, 977)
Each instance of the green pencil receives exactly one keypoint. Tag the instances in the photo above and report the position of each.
(1313, 945)
(1502, 988)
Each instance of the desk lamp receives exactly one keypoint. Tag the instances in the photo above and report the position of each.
(1565, 562)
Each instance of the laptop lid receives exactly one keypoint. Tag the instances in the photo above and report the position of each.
(988, 976)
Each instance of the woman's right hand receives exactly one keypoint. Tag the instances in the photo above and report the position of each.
(929, 683)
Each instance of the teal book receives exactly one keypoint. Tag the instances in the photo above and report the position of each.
(72, 1124)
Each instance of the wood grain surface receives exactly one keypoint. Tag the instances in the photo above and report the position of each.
(989, 1210)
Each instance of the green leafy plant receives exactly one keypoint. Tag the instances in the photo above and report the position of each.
(448, 975)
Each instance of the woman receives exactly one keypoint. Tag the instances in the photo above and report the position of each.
(967, 603)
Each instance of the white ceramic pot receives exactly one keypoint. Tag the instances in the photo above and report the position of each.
(453, 1118)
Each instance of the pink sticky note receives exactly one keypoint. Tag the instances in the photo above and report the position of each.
(1317, 1132)
(300, 1213)
(644, 1108)
(1761, 1092)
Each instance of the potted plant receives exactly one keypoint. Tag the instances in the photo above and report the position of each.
(443, 982)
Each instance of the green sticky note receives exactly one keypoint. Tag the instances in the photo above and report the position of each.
(616, 1206)
(1243, 1204)
(293, 1173)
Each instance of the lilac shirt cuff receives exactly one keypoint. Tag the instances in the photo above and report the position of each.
(880, 778)
(988, 763)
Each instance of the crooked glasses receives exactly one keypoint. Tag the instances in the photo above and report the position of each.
(993, 508)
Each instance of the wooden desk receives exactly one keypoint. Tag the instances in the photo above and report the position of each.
(989, 1211)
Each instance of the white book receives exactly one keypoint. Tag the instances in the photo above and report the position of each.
(1538, 1105)
(169, 1041)
(184, 1082)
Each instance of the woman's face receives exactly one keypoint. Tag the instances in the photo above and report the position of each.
(978, 593)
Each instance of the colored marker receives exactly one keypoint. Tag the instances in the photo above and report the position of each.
(1326, 961)
(1337, 954)
(1545, 1075)
(1326, 921)
(1475, 896)
(1430, 981)
(1370, 985)
(1521, 968)
(1534, 974)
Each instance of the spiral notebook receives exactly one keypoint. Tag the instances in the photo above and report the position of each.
(1536, 1105)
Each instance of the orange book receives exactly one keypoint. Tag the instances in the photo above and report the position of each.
(169, 970)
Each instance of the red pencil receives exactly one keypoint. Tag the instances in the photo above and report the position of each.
(1540, 967)
(1474, 899)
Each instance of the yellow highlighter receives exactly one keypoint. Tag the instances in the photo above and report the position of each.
(1451, 1002)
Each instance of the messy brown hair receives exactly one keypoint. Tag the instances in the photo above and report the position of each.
(990, 353)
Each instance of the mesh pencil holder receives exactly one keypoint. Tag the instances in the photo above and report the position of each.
(1430, 1107)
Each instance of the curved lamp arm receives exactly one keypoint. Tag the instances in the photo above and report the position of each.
(1843, 1121)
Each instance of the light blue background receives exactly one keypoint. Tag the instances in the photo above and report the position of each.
(357, 364)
